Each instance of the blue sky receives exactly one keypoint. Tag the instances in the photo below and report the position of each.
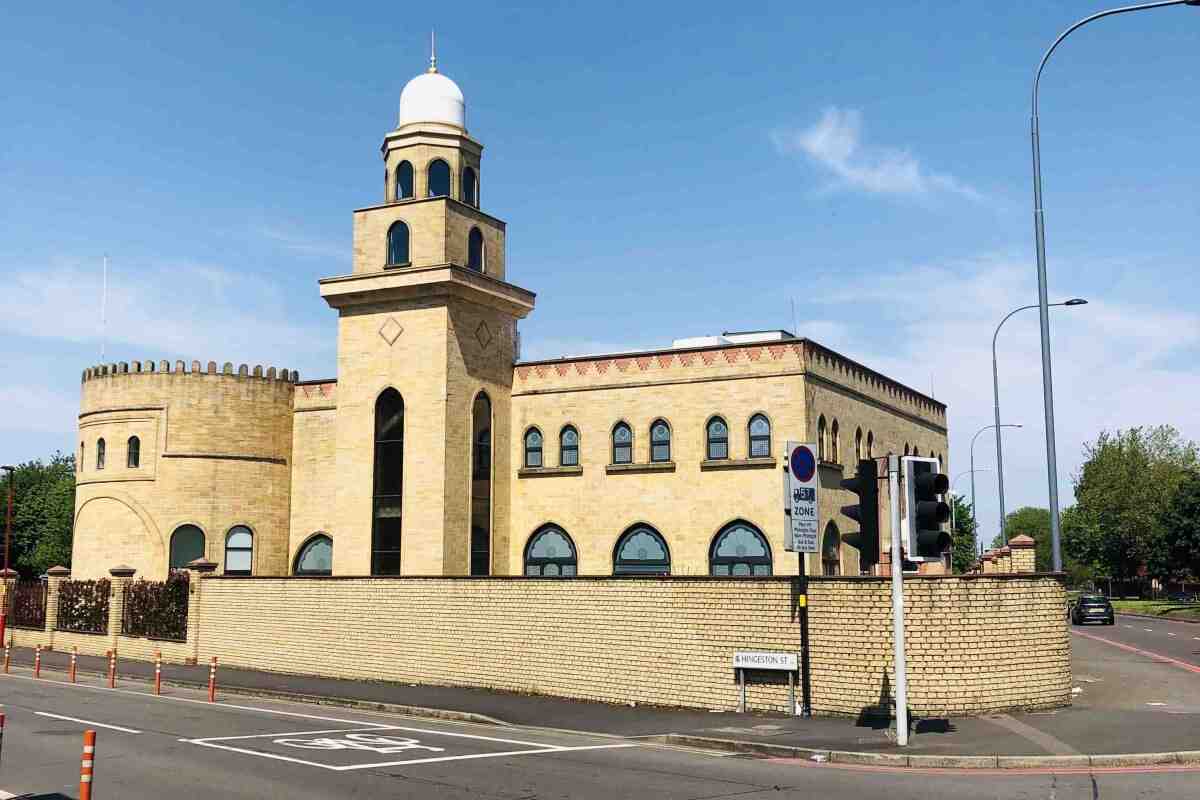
(666, 170)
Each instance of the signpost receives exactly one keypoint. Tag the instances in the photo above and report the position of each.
(802, 533)
(757, 659)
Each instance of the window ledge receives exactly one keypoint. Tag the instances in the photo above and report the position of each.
(546, 472)
(737, 463)
(652, 466)
(398, 266)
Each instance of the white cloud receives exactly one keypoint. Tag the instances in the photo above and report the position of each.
(1116, 365)
(835, 143)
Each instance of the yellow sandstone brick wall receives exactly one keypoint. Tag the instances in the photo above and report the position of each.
(974, 644)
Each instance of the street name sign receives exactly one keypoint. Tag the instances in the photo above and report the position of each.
(803, 524)
(753, 659)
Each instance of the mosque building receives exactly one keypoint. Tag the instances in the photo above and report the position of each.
(437, 451)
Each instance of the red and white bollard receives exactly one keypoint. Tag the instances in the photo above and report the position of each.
(74, 658)
(212, 681)
(112, 669)
(37, 661)
(7, 659)
(158, 672)
(86, 765)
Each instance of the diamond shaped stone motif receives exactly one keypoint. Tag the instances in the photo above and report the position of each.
(390, 331)
(483, 335)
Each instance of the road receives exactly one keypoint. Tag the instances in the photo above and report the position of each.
(1176, 640)
(181, 747)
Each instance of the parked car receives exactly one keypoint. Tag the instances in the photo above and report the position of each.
(1182, 597)
(1093, 608)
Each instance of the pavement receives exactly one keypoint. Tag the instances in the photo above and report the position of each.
(1138, 691)
(182, 747)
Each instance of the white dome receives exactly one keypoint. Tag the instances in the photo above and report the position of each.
(432, 97)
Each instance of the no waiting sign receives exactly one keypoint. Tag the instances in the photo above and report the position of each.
(800, 488)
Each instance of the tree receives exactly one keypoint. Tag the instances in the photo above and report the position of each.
(1180, 521)
(1126, 480)
(965, 553)
(1035, 523)
(43, 514)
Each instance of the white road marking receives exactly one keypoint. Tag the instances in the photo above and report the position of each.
(1196, 638)
(1147, 630)
(1127, 626)
(86, 722)
(1156, 704)
(1170, 634)
(375, 728)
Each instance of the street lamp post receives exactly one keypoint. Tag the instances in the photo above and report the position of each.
(1077, 301)
(975, 516)
(1039, 235)
(7, 540)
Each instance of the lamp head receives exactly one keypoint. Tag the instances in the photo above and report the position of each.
(1079, 301)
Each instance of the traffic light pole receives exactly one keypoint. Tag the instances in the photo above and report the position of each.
(897, 558)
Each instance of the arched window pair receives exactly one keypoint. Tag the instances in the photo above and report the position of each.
(568, 447)
(438, 175)
(187, 545)
(133, 452)
(717, 438)
(398, 248)
(660, 442)
(828, 441)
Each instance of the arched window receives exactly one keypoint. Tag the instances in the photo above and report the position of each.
(660, 441)
(533, 448)
(831, 551)
(397, 245)
(835, 444)
(81, 455)
(100, 454)
(568, 447)
(481, 486)
(822, 447)
(470, 187)
(622, 444)
(906, 448)
(641, 550)
(760, 436)
(550, 553)
(404, 181)
(133, 452)
(315, 556)
(858, 446)
(439, 178)
(475, 259)
(239, 550)
(187, 544)
(716, 436)
(870, 444)
(740, 549)
(388, 497)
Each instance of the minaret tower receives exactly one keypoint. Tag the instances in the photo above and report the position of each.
(426, 344)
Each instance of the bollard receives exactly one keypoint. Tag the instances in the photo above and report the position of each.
(85, 766)
(1, 733)
(74, 658)
(37, 661)
(7, 659)
(212, 680)
(158, 672)
(112, 669)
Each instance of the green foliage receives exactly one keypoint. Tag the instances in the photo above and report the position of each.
(965, 550)
(1180, 522)
(43, 514)
(1127, 480)
(1035, 523)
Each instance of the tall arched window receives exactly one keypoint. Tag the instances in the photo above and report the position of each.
(858, 445)
(822, 445)
(739, 549)
(81, 456)
(906, 448)
(239, 550)
(760, 436)
(716, 439)
(568, 447)
(439, 178)
(660, 441)
(835, 444)
(831, 550)
(481, 486)
(475, 258)
(622, 444)
(870, 444)
(397, 245)
(187, 544)
(550, 553)
(470, 187)
(404, 181)
(133, 452)
(388, 498)
(533, 448)
(100, 454)
(641, 550)
(315, 556)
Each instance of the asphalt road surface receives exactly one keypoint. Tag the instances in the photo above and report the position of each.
(1176, 640)
(181, 747)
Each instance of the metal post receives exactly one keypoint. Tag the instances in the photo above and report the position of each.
(7, 545)
(898, 604)
(158, 672)
(1039, 235)
(741, 675)
(805, 675)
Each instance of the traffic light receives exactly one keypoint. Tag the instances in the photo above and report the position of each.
(865, 484)
(924, 510)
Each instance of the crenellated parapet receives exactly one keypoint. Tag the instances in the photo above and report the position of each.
(164, 367)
